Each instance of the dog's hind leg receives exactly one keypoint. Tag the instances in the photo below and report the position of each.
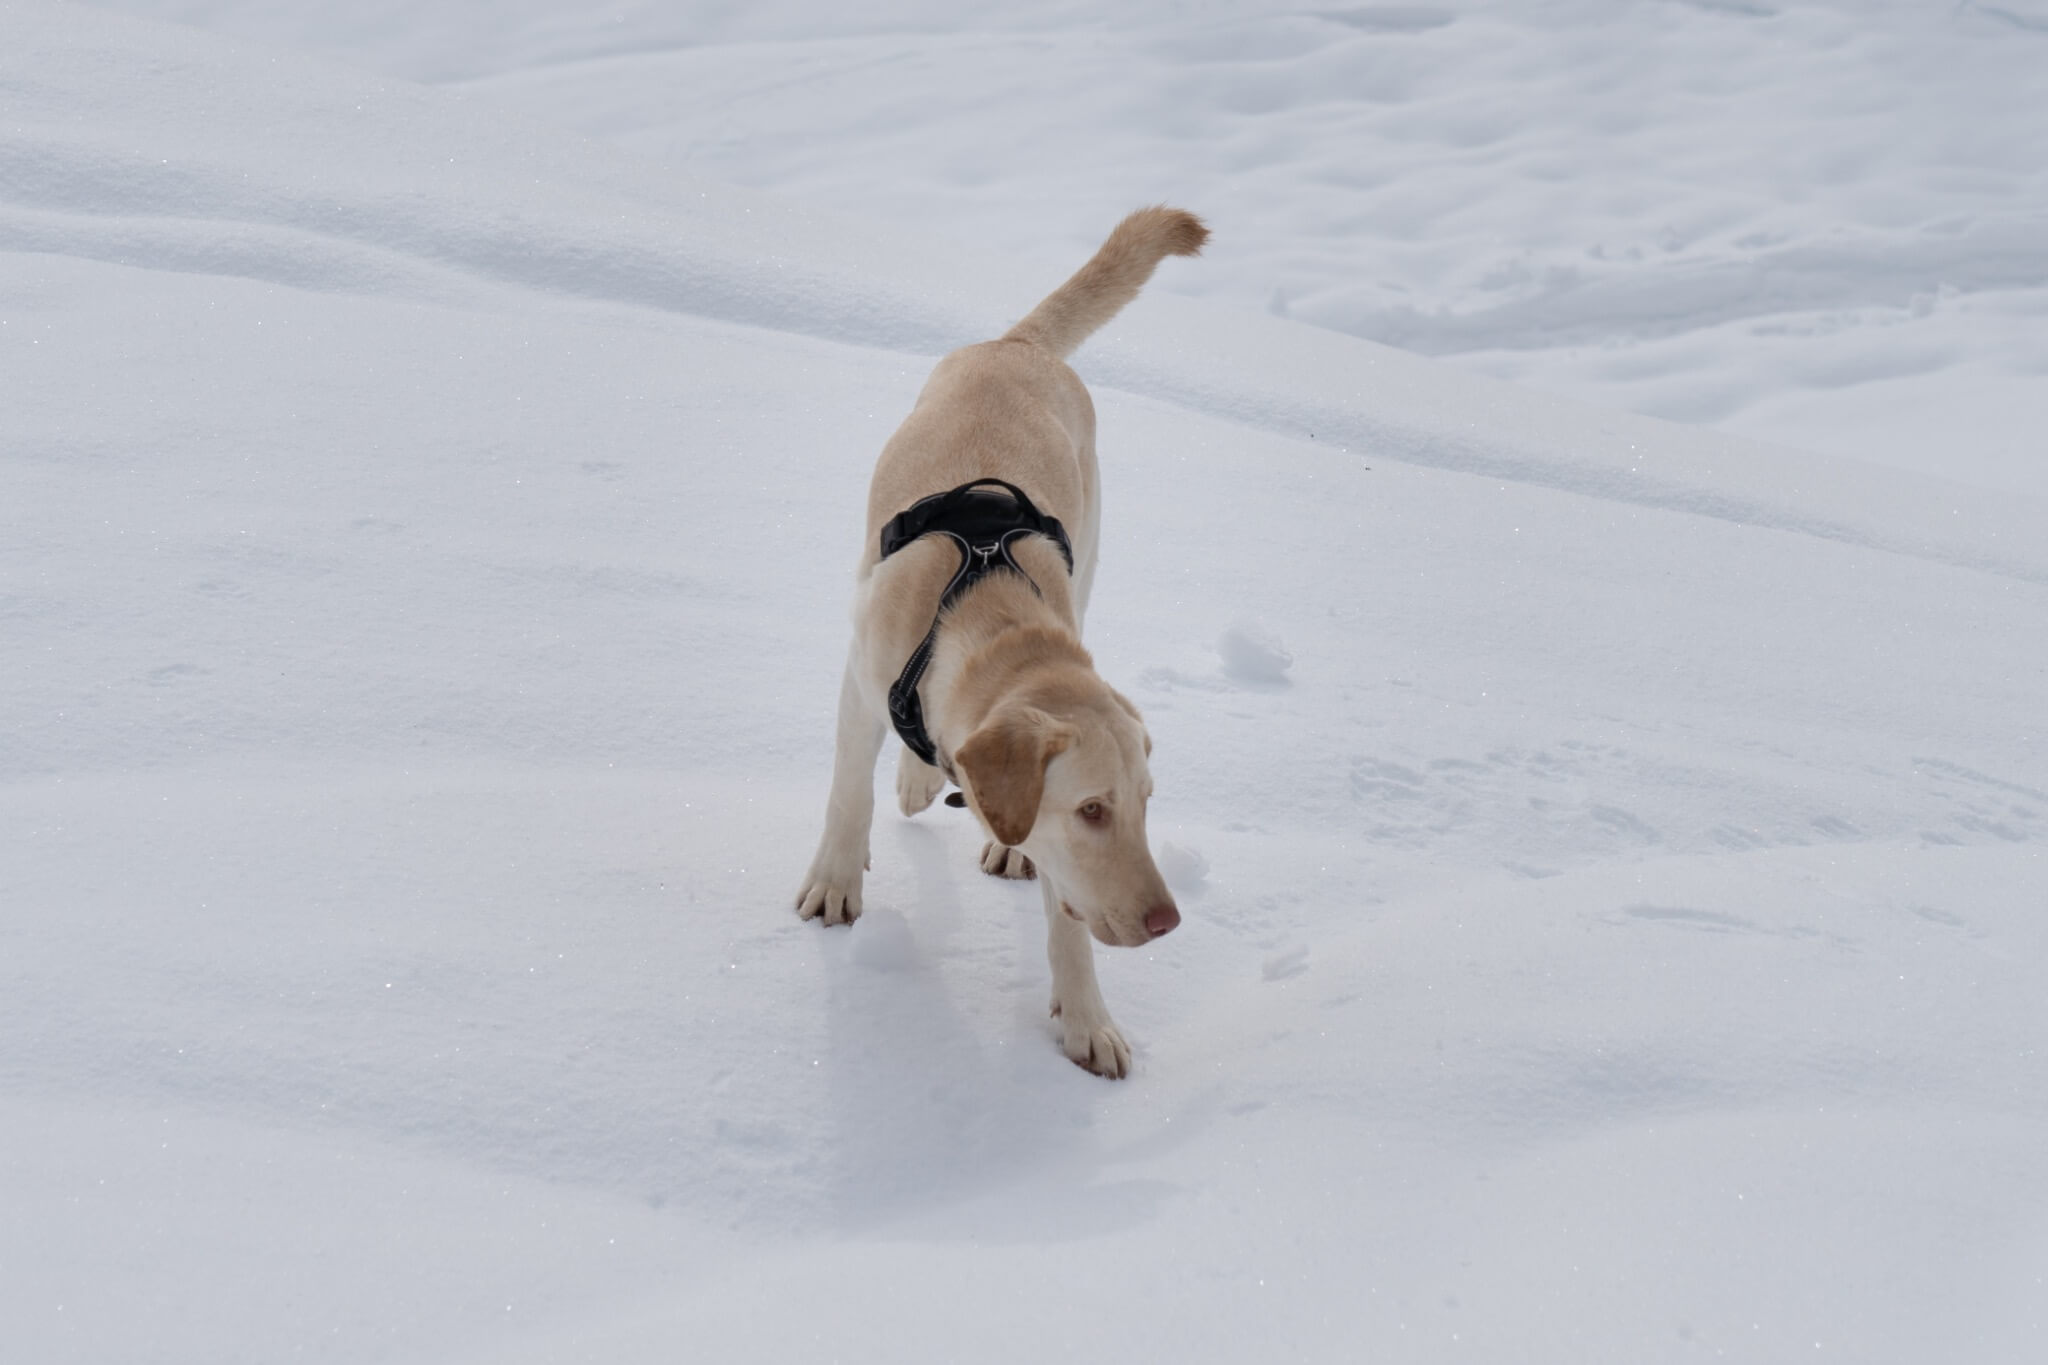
(831, 889)
(1087, 1033)
(918, 783)
(1000, 860)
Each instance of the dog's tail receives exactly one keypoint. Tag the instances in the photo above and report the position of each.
(1111, 279)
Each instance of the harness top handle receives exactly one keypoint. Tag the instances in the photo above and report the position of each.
(965, 511)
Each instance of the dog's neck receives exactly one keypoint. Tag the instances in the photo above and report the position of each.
(999, 641)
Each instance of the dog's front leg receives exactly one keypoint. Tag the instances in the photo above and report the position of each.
(831, 889)
(1087, 1032)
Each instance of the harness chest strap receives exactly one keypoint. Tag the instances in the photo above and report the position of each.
(982, 523)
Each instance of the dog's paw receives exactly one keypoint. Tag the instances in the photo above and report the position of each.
(1093, 1043)
(918, 783)
(833, 900)
(999, 861)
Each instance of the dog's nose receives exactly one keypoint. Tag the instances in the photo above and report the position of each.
(1161, 919)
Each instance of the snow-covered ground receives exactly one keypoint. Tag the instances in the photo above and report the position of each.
(1614, 935)
(1816, 222)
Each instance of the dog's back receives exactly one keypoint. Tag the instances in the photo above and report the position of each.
(1000, 409)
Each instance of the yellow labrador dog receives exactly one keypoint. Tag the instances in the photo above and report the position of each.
(982, 530)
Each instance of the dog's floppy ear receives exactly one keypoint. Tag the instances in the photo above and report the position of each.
(1132, 711)
(1004, 764)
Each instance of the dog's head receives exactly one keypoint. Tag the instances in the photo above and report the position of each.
(1066, 780)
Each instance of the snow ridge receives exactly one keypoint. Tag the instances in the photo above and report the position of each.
(436, 222)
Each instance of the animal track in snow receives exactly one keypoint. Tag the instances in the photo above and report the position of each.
(1983, 807)
(1537, 810)
(1532, 805)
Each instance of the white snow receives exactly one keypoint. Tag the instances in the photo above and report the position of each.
(1815, 222)
(1611, 851)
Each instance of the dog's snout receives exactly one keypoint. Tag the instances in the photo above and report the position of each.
(1161, 920)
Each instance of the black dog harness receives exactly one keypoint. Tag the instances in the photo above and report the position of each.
(982, 522)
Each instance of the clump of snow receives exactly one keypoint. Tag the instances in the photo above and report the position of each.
(1184, 868)
(1252, 653)
(1281, 966)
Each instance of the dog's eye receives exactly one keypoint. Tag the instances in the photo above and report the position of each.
(1094, 812)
